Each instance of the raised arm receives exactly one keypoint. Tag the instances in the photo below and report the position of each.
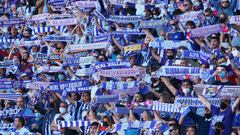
(169, 85)
(117, 43)
(205, 101)
(236, 104)
(155, 56)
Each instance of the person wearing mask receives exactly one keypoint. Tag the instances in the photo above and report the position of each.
(63, 114)
(186, 88)
(209, 18)
(19, 123)
(224, 6)
(82, 106)
(225, 113)
(221, 76)
(203, 122)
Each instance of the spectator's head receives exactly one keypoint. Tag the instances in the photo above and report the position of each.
(63, 107)
(70, 28)
(21, 102)
(187, 5)
(138, 98)
(170, 54)
(19, 122)
(94, 128)
(207, 113)
(187, 87)
(62, 77)
(27, 33)
(91, 115)
(208, 13)
(225, 3)
(223, 74)
(190, 25)
(2, 71)
(146, 116)
(215, 41)
(218, 128)
(79, 30)
(116, 50)
(191, 130)
(154, 78)
(224, 103)
(148, 13)
(156, 13)
(223, 17)
(74, 96)
(14, 31)
(175, 129)
(172, 121)
(85, 97)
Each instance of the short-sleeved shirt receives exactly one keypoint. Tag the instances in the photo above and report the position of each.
(225, 117)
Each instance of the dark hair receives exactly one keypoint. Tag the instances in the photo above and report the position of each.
(21, 119)
(191, 23)
(218, 126)
(95, 124)
(193, 127)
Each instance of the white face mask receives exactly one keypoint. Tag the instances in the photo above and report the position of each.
(119, 60)
(186, 90)
(62, 110)
(155, 16)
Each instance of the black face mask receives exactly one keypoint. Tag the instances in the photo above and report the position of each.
(51, 105)
(154, 80)
(208, 116)
(170, 57)
(105, 124)
(116, 51)
(223, 105)
(221, 20)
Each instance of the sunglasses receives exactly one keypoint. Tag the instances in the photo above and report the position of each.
(225, 2)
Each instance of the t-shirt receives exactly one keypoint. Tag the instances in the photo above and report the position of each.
(22, 130)
(225, 117)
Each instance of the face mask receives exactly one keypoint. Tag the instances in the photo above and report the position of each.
(221, 20)
(129, 29)
(155, 16)
(188, 30)
(196, 3)
(208, 116)
(153, 80)
(222, 74)
(186, 90)
(223, 105)
(170, 57)
(33, 53)
(208, 18)
(51, 105)
(105, 124)
(119, 60)
(37, 115)
(62, 110)
(61, 77)
(161, 38)
(107, 28)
